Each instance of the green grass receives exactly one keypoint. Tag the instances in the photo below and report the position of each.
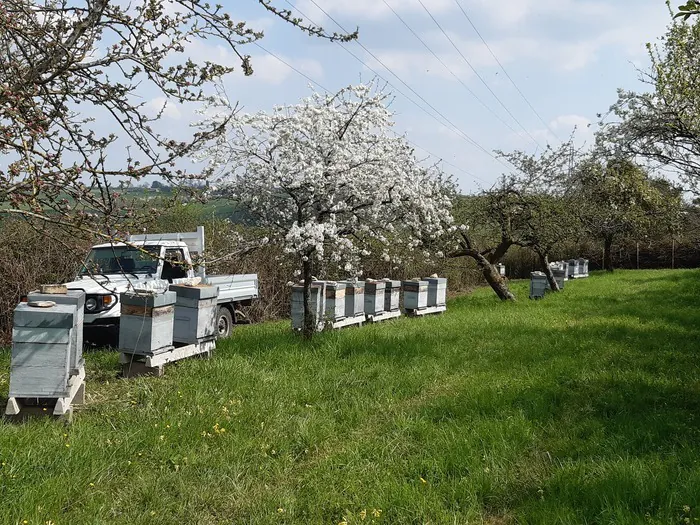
(581, 408)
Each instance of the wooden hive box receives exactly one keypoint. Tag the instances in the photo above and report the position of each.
(315, 304)
(195, 313)
(77, 298)
(42, 346)
(354, 299)
(437, 291)
(335, 301)
(415, 295)
(392, 295)
(375, 297)
(146, 323)
(538, 285)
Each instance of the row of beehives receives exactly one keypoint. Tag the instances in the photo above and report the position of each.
(47, 367)
(562, 272)
(344, 303)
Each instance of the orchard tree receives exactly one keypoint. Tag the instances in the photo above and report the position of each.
(663, 125)
(616, 198)
(75, 80)
(543, 211)
(327, 177)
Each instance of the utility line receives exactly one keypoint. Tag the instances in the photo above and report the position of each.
(456, 128)
(517, 88)
(301, 73)
(449, 69)
(477, 73)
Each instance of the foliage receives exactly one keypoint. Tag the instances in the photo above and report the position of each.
(690, 8)
(581, 408)
(663, 125)
(73, 79)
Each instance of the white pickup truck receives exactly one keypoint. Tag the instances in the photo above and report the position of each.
(119, 267)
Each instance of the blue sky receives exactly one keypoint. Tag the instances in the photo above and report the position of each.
(567, 56)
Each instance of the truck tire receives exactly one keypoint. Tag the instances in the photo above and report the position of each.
(224, 323)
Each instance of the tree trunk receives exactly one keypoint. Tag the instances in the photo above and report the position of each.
(544, 261)
(607, 254)
(309, 317)
(493, 277)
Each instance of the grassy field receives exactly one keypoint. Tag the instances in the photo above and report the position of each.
(581, 408)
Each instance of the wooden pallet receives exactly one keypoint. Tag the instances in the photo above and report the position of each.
(383, 316)
(61, 407)
(135, 365)
(426, 311)
(348, 321)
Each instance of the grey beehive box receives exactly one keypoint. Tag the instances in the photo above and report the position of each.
(195, 316)
(315, 304)
(392, 295)
(538, 285)
(374, 297)
(583, 266)
(573, 269)
(415, 295)
(437, 291)
(335, 301)
(146, 323)
(42, 346)
(354, 298)
(77, 298)
(560, 277)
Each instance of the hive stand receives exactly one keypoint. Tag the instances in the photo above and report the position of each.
(134, 365)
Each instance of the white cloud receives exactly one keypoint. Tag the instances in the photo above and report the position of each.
(169, 108)
(270, 70)
(369, 9)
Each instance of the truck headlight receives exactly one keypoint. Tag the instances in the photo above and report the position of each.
(91, 304)
(99, 303)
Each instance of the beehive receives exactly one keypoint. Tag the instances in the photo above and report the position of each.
(573, 269)
(538, 285)
(77, 298)
(42, 346)
(437, 291)
(392, 295)
(335, 301)
(560, 277)
(501, 269)
(583, 267)
(375, 297)
(315, 304)
(415, 295)
(354, 299)
(195, 313)
(146, 323)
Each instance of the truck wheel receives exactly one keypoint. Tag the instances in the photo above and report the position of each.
(224, 322)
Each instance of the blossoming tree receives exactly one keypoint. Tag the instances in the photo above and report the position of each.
(328, 175)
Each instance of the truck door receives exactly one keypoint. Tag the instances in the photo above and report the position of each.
(175, 265)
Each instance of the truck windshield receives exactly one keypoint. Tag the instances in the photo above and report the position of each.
(121, 259)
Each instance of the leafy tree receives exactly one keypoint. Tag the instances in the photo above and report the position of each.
(616, 197)
(663, 125)
(690, 8)
(73, 121)
(327, 176)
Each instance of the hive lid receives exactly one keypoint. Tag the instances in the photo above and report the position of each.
(148, 299)
(76, 297)
(56, 316)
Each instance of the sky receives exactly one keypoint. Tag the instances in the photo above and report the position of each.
(566, 57)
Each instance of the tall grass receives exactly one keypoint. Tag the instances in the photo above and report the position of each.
(580, 408)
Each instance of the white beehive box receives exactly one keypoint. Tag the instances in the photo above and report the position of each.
(583, 267)
(315, 304)
(538, 285)
(501, 269)
(77, 298)
(195, 313)
(573, 269)
(335, 301)
(146, 323)
(354, 299)
(42, 346)
(437, 291)
(375, 297)
(560, 277)
(392, 295)
(415, 295)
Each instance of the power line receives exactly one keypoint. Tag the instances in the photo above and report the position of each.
(448, 68)
(301, 73)
(457, 129)
(464, 12)
(476, 73)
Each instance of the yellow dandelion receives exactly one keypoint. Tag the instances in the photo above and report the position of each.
(686, 508)
(92, 484)
(423, 480)
(376, 513)
(363, 514)
(162, 437)
(153, 513)
(25, 522)
(67, 445)
(280, 510)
